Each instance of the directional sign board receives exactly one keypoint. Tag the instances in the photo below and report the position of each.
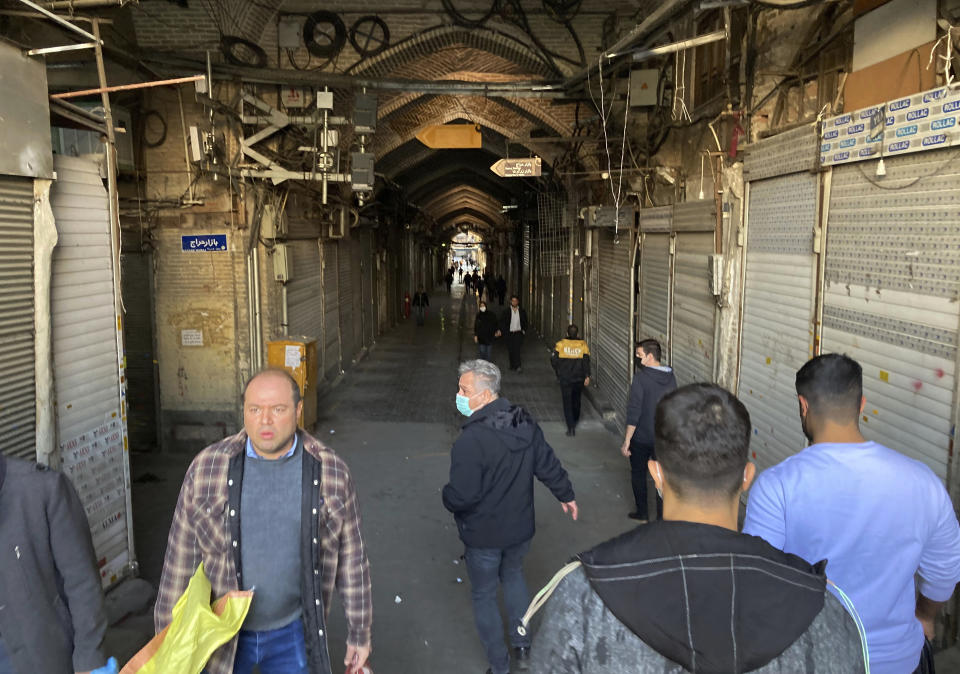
(529, 167)
(203, 242)
(451, 136)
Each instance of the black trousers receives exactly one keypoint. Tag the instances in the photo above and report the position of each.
(571, 402)
(639, 455)
(514, 347)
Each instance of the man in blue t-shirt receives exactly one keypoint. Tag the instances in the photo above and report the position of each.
(876, 516)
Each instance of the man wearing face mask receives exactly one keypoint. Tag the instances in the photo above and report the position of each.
(492, 465)
(651, 382)
(484, 331)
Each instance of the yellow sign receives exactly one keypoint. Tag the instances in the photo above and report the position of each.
(451, 136)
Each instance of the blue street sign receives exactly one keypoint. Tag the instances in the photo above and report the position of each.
(203, 242)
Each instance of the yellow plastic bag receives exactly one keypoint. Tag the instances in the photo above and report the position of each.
(195, 632)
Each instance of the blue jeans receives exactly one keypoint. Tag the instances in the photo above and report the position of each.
(487, 567)
(6, 667)
(485, 352)
(280, 651)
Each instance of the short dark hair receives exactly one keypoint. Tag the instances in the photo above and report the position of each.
(294, 386)
(515, 297)
(652, 347)
(832, 384)
(702, 439)
(572, 331)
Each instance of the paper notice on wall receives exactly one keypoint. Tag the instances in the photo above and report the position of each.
(191, 337)
(292, 357)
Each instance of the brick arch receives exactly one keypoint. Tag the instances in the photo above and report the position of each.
(444, 39)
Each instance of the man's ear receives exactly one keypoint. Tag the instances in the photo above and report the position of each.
(804, 405)
(300, 410)
(656, 472)
(863, 403)
(749, 472)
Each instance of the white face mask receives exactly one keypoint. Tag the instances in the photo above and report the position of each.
(483, 308)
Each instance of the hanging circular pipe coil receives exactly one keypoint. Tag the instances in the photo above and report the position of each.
(373, 24)
(337, 40)
(462, 20)
(228, 45)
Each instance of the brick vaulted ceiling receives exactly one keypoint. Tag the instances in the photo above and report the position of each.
(447, 186)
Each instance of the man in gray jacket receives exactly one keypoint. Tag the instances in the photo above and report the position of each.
(51, 603)
(689, 593)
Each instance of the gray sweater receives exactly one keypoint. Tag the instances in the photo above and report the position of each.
(270, 539)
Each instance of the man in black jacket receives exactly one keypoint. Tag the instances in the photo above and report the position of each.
(420, 303)
(492, 465)
(651, 382)
(689, 593)
(51, 603)
(513, 325)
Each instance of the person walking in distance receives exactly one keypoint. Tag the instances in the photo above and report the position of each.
(884, 522)
(514, 326)
(274, 510)
(484, 332)
(420, 304)
(492, 465)
(650, 383)
(571, 362)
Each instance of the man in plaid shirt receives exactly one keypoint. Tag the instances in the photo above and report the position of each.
(273, 510)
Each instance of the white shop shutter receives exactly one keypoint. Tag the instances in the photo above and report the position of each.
(356, 287)
(18, 406)
(369, 307)
(91, 427)
(694, 307)
(612, 344)
(654, 307)
(778, 312)
(305, 288)
(891, 301)
(331, 311)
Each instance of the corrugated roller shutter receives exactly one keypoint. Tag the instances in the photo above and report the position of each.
(348, 344)
(356, 285)
(137, 279)
(891, 300)
(526, 272)
(331, 311)
(369, 310)
(90, 425)
(18, 406)
(691, 353)
(778, 311)
(655, 288)
(593, 310)
(305, 288)
(793, 151)
(615, 352)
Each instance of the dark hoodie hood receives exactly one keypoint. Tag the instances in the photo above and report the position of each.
(710, 599)
(661, 377)
(513, 425)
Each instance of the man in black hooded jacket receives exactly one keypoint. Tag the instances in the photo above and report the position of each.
(492, 465)
(689, 593)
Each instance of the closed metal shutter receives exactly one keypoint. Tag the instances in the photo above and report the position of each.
(655, 289)
(561, 290)
(693, 310)
(18, 407)
(304, 290)
(356, 285)
(91, 427)
(778, 311)
(613, 342)
(526, 274)
(331, 311)
(891, 299)
(348, 348)
(369, 307)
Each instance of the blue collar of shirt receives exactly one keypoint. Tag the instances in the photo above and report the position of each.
(252, 453)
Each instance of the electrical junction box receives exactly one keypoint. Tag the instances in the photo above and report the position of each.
(361, 171)
(282, 264)
(290, 32)
(293, 97)
(643, 87)
(324, 100)
(365, 113)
